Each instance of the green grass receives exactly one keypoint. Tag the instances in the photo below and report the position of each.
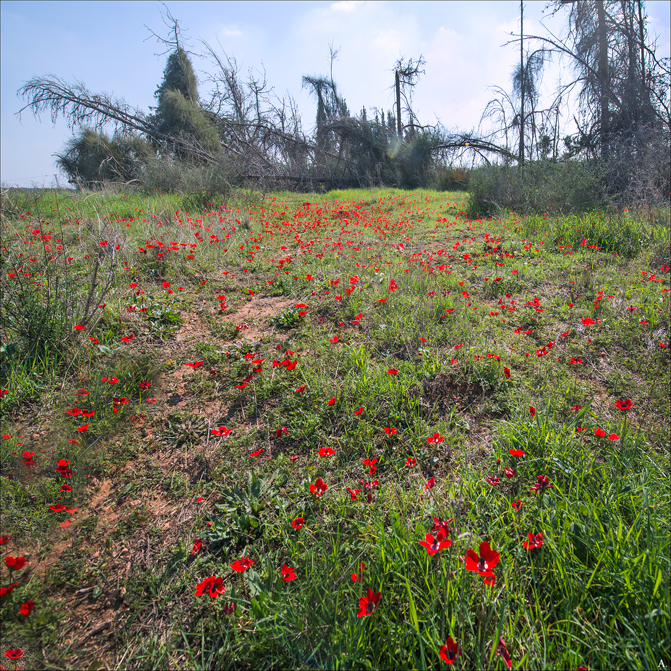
(416, 321)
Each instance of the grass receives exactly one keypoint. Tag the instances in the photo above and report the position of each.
(377, 340)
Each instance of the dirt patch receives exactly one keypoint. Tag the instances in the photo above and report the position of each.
(252, 319)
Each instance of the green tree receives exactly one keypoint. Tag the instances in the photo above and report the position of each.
(178, 113)
(179, 76)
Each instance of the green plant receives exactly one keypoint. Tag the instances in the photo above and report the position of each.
(180, 429)
(164, 321)
(287, 319)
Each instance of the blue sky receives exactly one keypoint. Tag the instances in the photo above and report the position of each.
(107, 46)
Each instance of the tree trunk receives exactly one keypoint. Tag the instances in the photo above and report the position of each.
(603, 76)
(641, 30)
(399, 127)
(522, 84)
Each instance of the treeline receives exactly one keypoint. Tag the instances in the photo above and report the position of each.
(244, 135)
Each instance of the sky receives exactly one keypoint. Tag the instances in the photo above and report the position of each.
(108, 46)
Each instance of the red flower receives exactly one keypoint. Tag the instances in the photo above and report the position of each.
(241, 564)
(515, 453)
(433, 545)
(449, 652)
(430, 483)
(281, 430)
(517, 505)
(435, 438)
(502, 651)
(353, 493)
(257, 452)
(288, 573)
(390, 430)
(439, 525)
(359, 411)
(575, 408)
(4, 539)
(509, 472)
(300, 389)
(493, 481)
(532, 411)
(26, 608)
(57, 508)
(332, 401)
(196, 546)
(194, 365)
(298, 523)
(624, 405)
(613, 436)
(410, 462)
(599, 433)
(483, 564)
(83, 427)
(221, 431)
(534, 541)
(212, 586)
(587, 321)
(319, 487)
(326, 451)
(542, 485)
(79, 327)
(14, 654)
(15, 563)
(144, 385)
(392, 371)
(392, 285)
(368, 603)
(4, 591)
(506, 372)
(228, 608)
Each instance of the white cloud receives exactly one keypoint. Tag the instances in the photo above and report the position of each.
(231, 32)
(346, 5)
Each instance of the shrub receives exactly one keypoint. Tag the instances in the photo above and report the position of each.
(202, 184)
(92, 158)
(570, 186)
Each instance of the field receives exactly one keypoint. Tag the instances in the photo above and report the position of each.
(352, 430)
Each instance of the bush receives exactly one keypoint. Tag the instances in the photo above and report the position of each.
(445, 178)
(201, 184)
(91, 158)
(545, 186)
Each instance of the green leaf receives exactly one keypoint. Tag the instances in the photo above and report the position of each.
(658, 582)
(255, 583)
(411, 602)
